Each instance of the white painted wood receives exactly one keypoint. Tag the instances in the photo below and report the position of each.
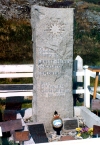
(26, 70)
(16, 68)
(0, 131)
(78, 91)
(79, 61)
(86, 85)
(20, 93)
(78, 73)
(16, 75)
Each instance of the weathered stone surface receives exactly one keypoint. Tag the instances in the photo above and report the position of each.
(95, 104)
(52, 35)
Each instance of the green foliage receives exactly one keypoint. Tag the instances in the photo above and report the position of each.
(86, 44)
(16, 44)
(95, 34)
(94, 8)
(93, 1)
(2, 21)
(27, 105)
(16, 81)
(4, 141)
(13, 143)
(15, 41)
(85, 135)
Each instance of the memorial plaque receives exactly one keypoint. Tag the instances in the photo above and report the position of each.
(52, 35)
(70, 123)
(21, 136)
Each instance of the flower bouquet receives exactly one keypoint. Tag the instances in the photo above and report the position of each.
(84, 132)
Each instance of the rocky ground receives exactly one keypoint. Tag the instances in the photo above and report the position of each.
(20, 9)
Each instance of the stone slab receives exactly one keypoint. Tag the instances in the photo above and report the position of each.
(95, 104)
(70, 123)
(52, 36)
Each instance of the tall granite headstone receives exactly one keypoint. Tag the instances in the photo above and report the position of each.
(52, 35)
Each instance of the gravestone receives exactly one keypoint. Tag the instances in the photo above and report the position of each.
(70, 123)
(52, 36)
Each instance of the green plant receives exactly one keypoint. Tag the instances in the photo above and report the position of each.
(93, 1)
(94, 8)
(84, 132)
(15, 41)
(86, 42)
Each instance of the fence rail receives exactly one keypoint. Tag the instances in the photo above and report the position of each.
(81, 74)
(16, 71)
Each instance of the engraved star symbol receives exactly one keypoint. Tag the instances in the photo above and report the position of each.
(55, 29)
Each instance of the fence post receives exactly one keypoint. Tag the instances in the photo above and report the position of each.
(78, 80)
(86, 84)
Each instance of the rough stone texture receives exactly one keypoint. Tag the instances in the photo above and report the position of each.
(52, 35)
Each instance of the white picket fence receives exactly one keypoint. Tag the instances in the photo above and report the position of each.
(80, 73)
(16, 71)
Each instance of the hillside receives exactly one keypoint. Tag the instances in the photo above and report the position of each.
(15, 30)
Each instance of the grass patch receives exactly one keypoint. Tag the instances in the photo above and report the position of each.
(86, 41)
(15, 41)
(27, 103)
(94, 8)
(93, 1)
(16, 81)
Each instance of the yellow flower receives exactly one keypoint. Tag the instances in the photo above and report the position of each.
(78, 129)
(90, 130)
(79, 134)
(91, 133)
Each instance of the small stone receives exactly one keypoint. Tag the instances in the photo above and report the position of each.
(72, 133)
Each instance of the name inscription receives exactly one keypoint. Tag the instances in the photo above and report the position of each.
(51, 90)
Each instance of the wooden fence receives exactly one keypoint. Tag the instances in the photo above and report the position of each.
(81, 75)
(16, 71)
